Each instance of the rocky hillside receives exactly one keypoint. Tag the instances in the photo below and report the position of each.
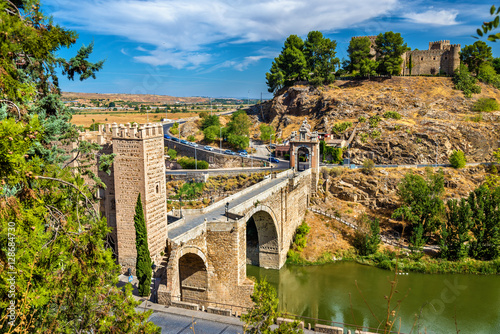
(436, 119)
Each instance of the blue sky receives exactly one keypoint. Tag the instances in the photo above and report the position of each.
(223, 48)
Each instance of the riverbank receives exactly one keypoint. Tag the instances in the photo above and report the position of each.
(389, 261)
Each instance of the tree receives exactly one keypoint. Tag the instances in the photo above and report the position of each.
(465, 82)
(454, 236)
(210, 121)
(143, 261)
(367, 236)
(111, 105)
(359, 50)
(488, 74)
(66, 277)
(320, 56)
(240, 124)
(264, 312)
(390, 47)
(421, 200)
(266, 132)
(289, 66)
(239, 142)
(368, 67)
(485, 226)
(476, 54)
(211, 133)
(457, 159)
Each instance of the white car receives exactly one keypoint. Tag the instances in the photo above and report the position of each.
(208, 148)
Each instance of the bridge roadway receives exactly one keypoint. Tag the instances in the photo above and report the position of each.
(193, 221)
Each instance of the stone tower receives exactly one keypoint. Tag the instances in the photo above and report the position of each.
(139, 167)
(305, 145)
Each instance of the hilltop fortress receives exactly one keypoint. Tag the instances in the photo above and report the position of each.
(441, 57)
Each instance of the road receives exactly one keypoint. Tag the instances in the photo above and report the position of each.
(218, 213)
(283, 164)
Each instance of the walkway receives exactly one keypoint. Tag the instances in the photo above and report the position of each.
(193, 221)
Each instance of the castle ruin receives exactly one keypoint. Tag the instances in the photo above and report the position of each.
(441, 57)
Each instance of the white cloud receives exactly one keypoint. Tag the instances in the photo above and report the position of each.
(188, 29)
(434, 17)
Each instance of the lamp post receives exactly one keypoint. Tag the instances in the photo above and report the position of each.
(180, 205)
(227, 208)
(220, 139)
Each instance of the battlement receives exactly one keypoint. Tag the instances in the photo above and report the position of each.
(136, 132)
(439, 45)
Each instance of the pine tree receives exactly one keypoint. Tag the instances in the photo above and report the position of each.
(143, 262)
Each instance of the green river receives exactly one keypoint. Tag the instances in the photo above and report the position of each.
(324, 291)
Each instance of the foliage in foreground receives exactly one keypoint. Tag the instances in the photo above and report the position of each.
(61, 276)
(265, 312)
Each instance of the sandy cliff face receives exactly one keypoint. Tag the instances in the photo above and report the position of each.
(436, 119)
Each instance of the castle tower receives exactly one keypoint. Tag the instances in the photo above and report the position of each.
(139, 167)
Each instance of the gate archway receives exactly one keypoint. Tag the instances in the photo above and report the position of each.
(193, 279)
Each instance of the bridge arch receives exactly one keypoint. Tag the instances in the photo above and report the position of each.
(262, 237)
(193, 275)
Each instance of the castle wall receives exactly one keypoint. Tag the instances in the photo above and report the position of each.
(441, 56)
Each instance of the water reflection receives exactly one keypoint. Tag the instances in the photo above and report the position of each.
(323, 292)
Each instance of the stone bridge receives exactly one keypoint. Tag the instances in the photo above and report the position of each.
(207, 250)
(201, 257)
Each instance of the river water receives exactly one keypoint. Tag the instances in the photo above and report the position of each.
(431, 305)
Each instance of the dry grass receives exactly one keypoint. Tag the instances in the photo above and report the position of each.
(86, 120)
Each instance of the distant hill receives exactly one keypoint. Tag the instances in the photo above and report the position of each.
(150, 99)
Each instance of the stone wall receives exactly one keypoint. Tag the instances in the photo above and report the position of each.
(441, 56)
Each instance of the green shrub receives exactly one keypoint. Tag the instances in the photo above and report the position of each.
(174, 131)
(375, 134)
(392, 114)
(172, 153)
(190, 163)
(368, 166)
(341, 127)
(465, 82)
(300, 238)
(457, 159)
(361, 119)
(374, 120)
(191, 138)
(486, 104)
(364, 137)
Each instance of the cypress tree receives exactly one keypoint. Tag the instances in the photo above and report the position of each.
(143, 262)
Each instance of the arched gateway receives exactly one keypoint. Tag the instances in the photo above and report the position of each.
(304, 151)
